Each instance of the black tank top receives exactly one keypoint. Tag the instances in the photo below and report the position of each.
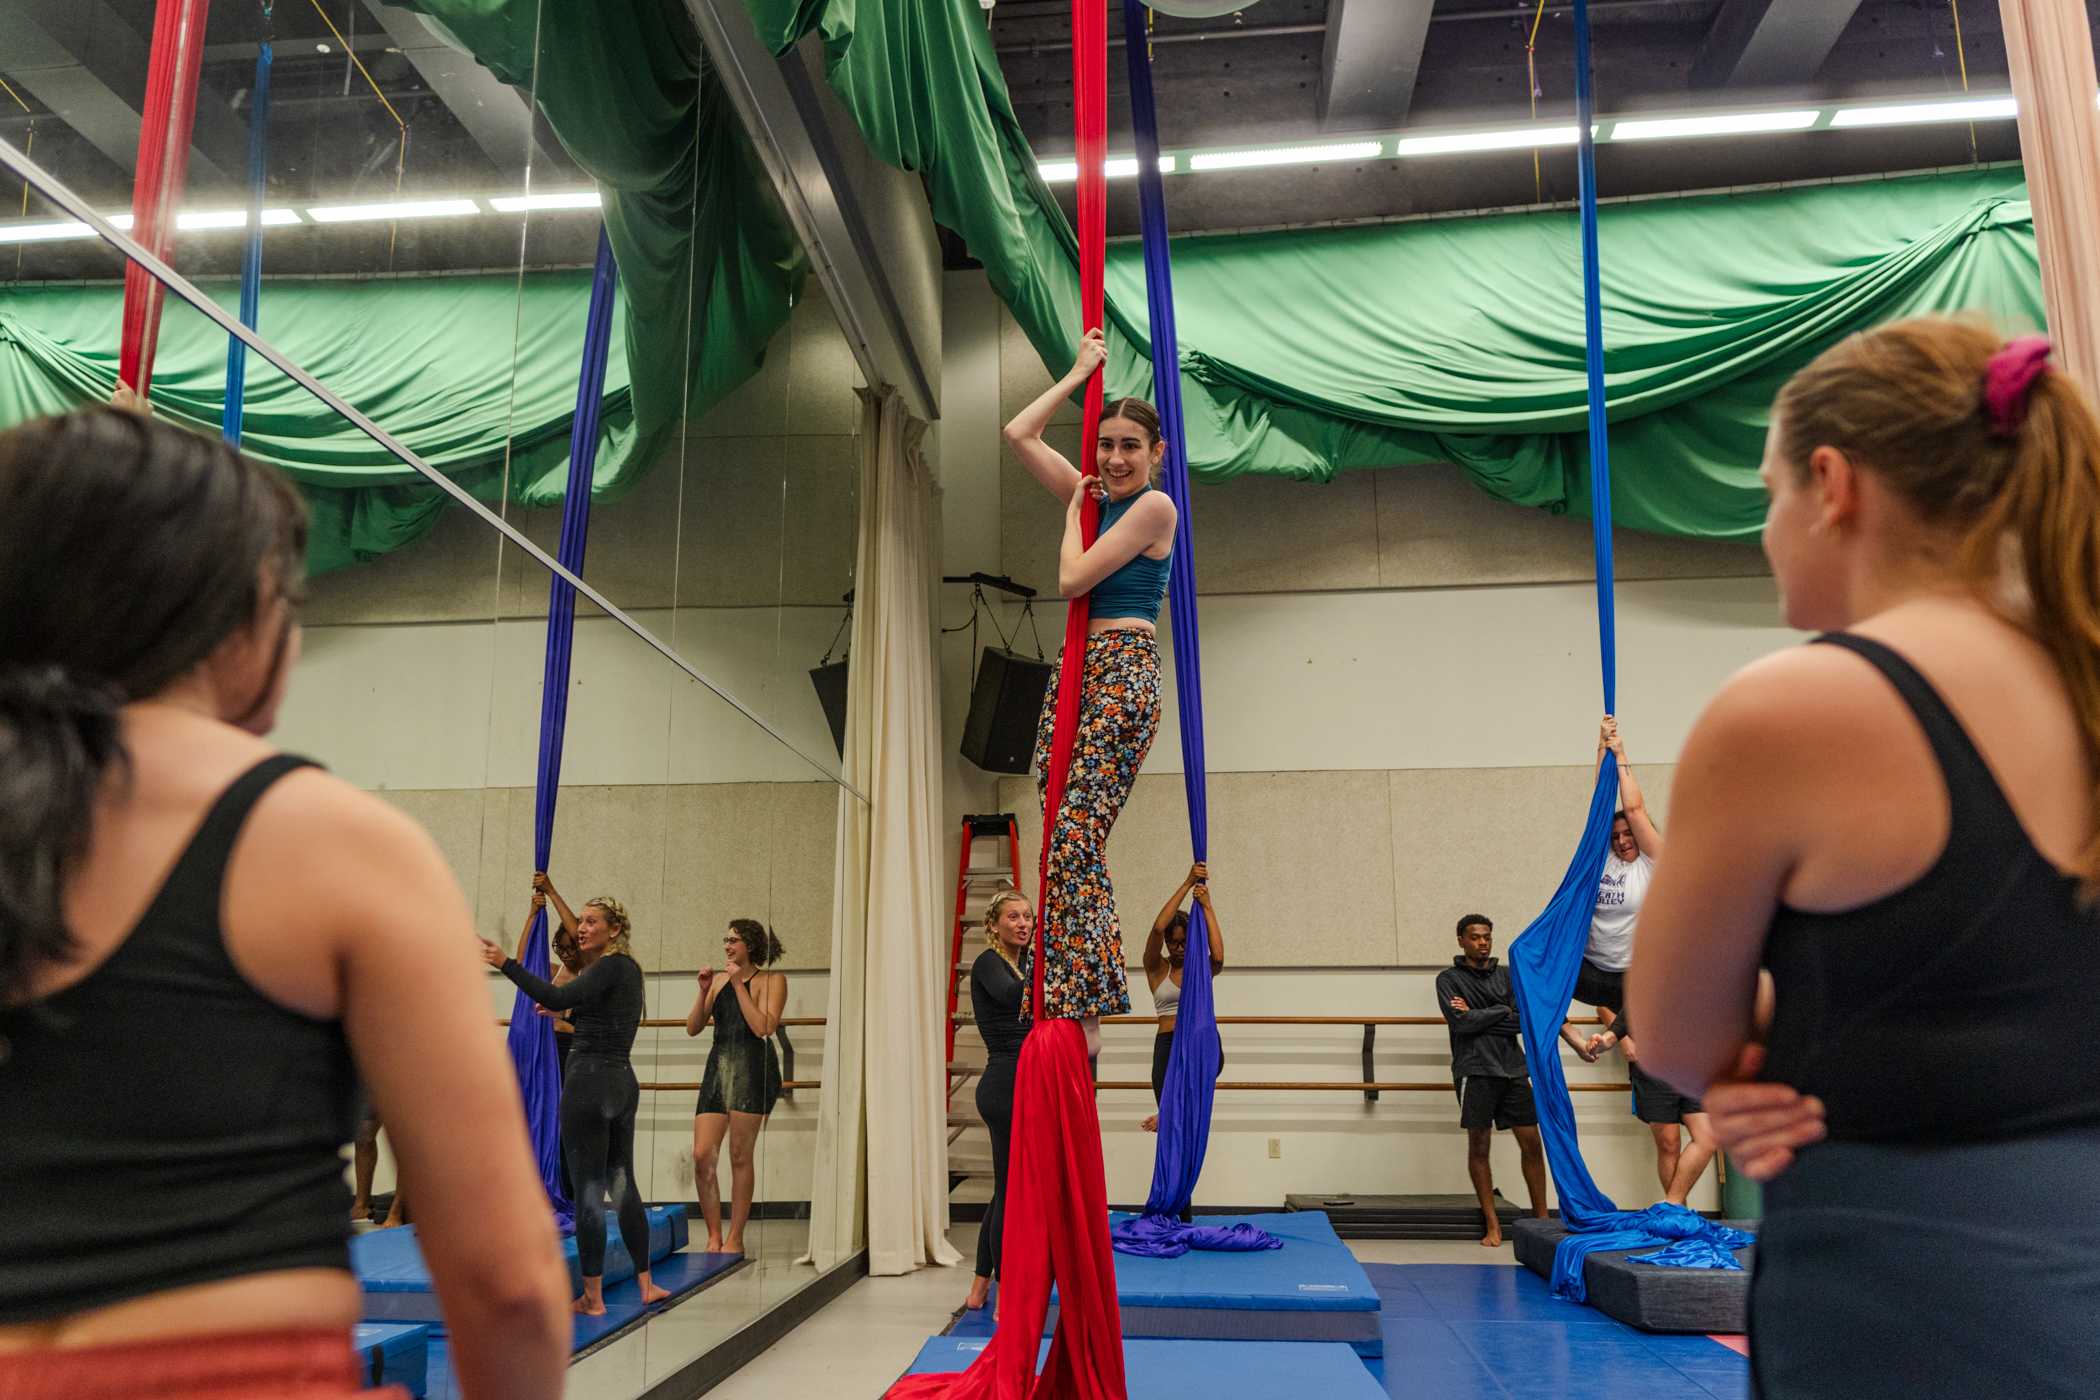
(163, 1122)
(1962, 1008)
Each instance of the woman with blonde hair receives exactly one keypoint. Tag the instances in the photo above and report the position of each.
(1903, 825)
(996, 985)
(599, 1093)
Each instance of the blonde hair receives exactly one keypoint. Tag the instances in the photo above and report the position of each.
(1908, 402)
(616, 919)
(1004, 897)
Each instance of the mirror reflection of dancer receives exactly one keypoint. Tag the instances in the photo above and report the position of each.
(599, 1093)
(1125, 573)
(1165, 953)
(996, 984)
(1902, 824)
(742, 1080)
(1622, 888)
(203, 953)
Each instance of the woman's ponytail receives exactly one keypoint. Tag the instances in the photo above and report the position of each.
(59, 740)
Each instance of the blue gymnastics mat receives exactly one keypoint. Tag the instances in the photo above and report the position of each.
(1211, 1370)
(394, 1353)
(1491, 1332)
(389, 1265)
(1311, 1290)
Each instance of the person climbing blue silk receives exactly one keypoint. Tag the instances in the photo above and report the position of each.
(1192, 1066)
(251, 254)
(1545, 958)
(532, 1035)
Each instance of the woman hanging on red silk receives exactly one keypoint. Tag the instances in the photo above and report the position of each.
(1123, 573)
(1056, 1212)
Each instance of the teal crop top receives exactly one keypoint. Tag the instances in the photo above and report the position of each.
(1136, 589)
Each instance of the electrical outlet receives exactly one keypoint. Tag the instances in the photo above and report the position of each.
(1276, 1147)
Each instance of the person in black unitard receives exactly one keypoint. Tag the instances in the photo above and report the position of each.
(742, 1082)
(995, 1005)
(599, 1094)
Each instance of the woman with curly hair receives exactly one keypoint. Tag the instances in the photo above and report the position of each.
(599, 1093)
(742, 1082)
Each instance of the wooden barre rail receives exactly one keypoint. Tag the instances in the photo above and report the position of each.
(785, 1084)
(668, 1023)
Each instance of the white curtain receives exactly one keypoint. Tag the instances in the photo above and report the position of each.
(882, 1150)
(2050, 50)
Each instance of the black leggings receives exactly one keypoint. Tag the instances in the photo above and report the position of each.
(995, 1102)
(1162, 1047)
(598, 1103)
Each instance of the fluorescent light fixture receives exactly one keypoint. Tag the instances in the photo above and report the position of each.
(46, 232)
(1126, 167)
(1972, 109)
(402, 209)
(1721, 124)
(1287, 155)
(1057, 172)
(191, 221)
(1521, 138)
(533, 203)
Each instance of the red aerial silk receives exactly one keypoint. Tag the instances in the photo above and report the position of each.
(1056, 1188)
(163, 169)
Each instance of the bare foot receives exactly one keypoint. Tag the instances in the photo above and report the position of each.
(651, 1293)
(1151, 1123)
(584, 1305)
(713, 1245)
(980, 1293)
(1493, 1238)
(732, 1246)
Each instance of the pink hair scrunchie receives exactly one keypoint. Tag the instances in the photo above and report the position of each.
(2009, 379)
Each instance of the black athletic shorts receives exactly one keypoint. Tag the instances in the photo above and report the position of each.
(1596, 987)
(1656, 1102)
(1492, 1101)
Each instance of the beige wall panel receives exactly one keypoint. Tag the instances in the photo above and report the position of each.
(1303, 861)
(1493, 841)
(1021, 373)
(607, 841)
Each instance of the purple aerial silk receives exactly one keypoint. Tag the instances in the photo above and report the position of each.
(1192, 1066)
(531, 1035)
(1545, 958)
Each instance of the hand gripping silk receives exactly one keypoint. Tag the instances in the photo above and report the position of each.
(1056, 1193)
(1192, 1065)
(1546, 956)
(532, 1035)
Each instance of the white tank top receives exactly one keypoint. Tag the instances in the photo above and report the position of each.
(1620, 892)
(1166, 997)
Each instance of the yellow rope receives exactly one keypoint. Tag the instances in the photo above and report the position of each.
(352, 55)
(1531, 82)
(15, 95)
(1961, 57)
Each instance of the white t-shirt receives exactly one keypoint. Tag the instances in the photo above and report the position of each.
(1620, 893)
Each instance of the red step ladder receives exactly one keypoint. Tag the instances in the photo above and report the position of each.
(974, 886)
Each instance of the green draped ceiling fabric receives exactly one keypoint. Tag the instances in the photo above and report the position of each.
(1304, 353)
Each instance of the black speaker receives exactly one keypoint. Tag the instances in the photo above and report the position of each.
(999, 736)
(830, 681)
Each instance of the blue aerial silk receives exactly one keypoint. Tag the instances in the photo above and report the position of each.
(1192, 1067)
(1545, 958)
(532, 1036)
(251, 254)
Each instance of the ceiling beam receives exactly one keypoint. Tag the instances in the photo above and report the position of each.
(80, 59)
(1373, 53)
(497, 115)
(1770, 43)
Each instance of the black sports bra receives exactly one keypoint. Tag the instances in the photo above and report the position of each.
(1961, 1008)
(167, 1124)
